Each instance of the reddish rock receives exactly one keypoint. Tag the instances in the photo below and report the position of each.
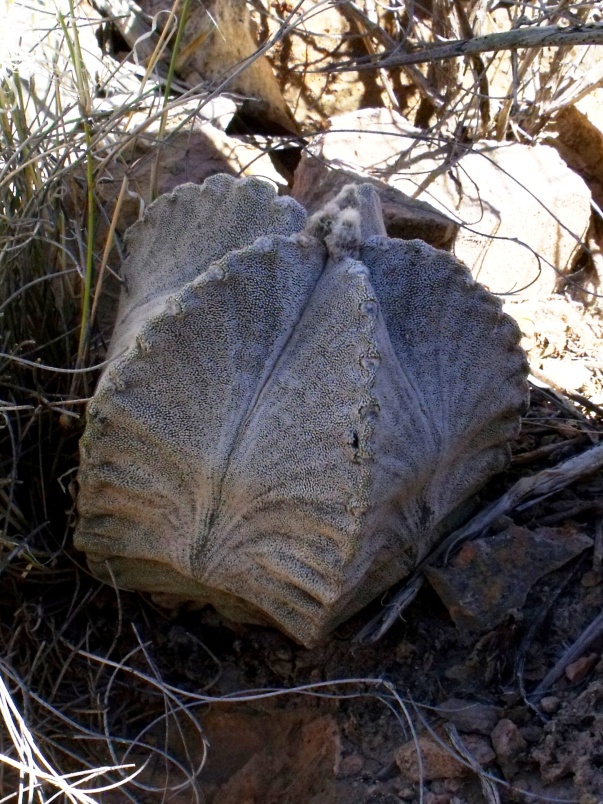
(485, 581)
(297, 765)
(578, 670)
(507, 740)
(316, 182)
(262, 755)
(437, 762)
(213, 44)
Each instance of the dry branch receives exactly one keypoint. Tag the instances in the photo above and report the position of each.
(527, 491)
(549, 36)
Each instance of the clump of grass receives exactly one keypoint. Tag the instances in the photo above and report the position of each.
(58, 245)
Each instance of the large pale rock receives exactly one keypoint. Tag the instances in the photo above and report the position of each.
(523, 214)
(291, 416)
(324, 34)
(368, 140)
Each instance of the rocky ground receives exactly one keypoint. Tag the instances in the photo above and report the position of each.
(449, 700)
(456, 703)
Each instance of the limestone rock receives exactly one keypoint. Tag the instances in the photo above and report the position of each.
(523, 214)
(368, 140)
(291, 416)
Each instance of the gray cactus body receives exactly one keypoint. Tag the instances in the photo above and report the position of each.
(295, 411)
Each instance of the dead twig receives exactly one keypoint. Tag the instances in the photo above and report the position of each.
(549, 36)
(558, 397)
(545, 451)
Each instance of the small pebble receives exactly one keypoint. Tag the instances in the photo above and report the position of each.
(437, 798)
(453, 785)
(590, 579)
(507, 740)
(550, 704)
(405, 792)
(502, 523)
(470, 716)
(578, 670)
(351, 765)
(510, 698)
(531, 734)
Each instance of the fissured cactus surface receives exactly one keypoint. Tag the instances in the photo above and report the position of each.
(294, 412)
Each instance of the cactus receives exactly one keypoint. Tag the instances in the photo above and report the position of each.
(295, 411)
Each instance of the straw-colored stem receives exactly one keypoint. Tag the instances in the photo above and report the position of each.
(168, 89)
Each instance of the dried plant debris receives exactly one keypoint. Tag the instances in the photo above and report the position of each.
(290, 419)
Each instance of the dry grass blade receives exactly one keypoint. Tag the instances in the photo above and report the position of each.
(36, 772)
(489, 786)
(588, 637)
